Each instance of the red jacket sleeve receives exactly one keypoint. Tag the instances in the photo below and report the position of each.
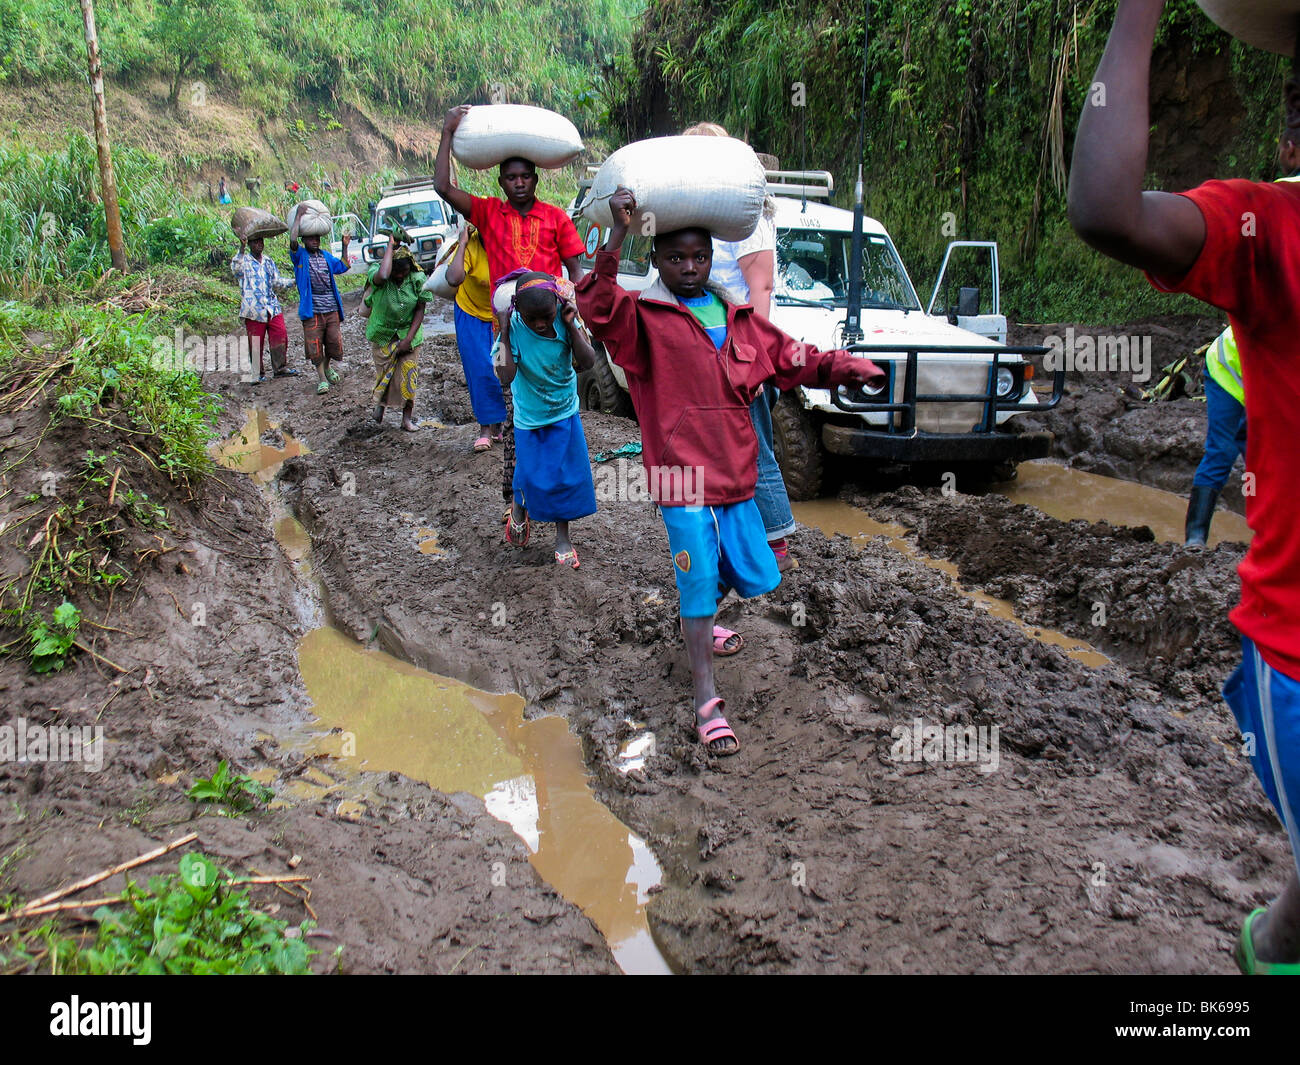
(796, 363)
(610, 313)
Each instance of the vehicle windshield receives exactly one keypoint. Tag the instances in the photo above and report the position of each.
(412, 215)
(813, 267)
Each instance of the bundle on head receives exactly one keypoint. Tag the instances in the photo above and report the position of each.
(316, 221)
(250, 222)
(490, 134)
(1272, 25)
(716, 183)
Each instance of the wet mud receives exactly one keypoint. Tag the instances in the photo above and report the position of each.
(1109, 824)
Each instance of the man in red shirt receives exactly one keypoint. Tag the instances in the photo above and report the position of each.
(520, 231)
(1235, 245)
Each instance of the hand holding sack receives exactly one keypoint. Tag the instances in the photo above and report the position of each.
(713, 182)
(250, 222)
(1268, 24)
(316, 221)
(489, 134)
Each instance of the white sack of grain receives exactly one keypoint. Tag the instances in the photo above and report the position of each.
(316, 221)
(1268, 24)
(439, 285)
(714, 182)
(490, 134)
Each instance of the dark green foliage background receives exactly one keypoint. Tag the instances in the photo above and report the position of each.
(958, 118)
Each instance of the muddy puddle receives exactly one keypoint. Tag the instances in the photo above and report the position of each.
(395, 717)
(1065, 494)
(832, 516)
(245, 451)
(385, 715)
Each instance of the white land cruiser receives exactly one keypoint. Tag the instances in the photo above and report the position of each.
(427, 218)
(953, 383)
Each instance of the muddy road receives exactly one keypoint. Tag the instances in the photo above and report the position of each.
(1109, 824)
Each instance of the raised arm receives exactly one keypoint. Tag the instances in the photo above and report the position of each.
(584, 355)
(456, 268)
(759, 269)
(608, 309)
(458, 198)
(1155, 231)
(237, 263)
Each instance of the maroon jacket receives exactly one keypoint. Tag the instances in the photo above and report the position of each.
(691, 398)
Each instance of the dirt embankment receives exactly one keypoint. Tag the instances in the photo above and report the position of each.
(1117, 828)
(1104, 426)
(408, 888)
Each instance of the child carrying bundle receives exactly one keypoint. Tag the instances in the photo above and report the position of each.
(541, 343)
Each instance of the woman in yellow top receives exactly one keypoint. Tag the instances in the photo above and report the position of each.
(468, 269)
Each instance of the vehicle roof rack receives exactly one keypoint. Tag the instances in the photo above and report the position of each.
(407, 185)
(814, 183)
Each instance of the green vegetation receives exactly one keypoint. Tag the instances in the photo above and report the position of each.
(971, 113)
(232, 790)
(52, 641)
(194, 921)
(276, 52)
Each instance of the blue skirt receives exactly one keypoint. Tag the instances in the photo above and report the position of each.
(552, 472)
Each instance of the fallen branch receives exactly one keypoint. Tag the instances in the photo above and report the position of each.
(90, 881)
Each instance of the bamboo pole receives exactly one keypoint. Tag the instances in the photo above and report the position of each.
(108, 183)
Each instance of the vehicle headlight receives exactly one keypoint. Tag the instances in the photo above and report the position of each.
(1006, 381)
(873, 390)
(426, 245)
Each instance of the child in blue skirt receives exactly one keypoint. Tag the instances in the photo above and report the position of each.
(537, 359)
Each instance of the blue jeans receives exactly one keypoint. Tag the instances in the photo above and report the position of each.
(1225, 437)
(769, 492)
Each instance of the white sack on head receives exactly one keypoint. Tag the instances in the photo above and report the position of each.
(1268, 24)
(714, 182)
(489, 134)
(316, 221)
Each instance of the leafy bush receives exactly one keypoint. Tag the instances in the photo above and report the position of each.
(233, 790)
(52, 641)
(193, 921)
(187, 238)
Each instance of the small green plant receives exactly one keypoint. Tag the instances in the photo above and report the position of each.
(232, 790)
(194, 921)
(52, 641)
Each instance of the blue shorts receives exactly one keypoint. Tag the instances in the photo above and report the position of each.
(716, 548)
(1266, 704)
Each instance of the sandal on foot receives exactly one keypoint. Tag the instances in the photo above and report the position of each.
(288, 373)
(521, 532)
(498, 437)
(715, 729)
(482, 444)
(721, 637)
(567, 558)
(322, 388)
(1252, 966)
(332, 375)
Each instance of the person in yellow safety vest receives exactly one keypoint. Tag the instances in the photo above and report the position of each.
(1225, 434)
(1225, 402)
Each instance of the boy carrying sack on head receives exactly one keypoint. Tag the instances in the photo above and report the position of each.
(694, 363)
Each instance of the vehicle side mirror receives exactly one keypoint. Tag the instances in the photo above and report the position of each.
(968, 302)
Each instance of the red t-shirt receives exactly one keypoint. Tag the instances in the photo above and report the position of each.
(538, 240)
(1250, 267)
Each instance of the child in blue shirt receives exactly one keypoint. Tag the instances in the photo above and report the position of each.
(552, 480)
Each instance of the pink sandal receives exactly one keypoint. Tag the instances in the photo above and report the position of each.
(482, 444)
(720, 638)
(567, 558)
(715, 729)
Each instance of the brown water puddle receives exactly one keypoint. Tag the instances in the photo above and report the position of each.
(1066, 494)
(529, 774)
(427, 542)
(832, 516)
(244, 452)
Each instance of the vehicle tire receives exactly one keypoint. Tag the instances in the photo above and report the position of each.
(598, 389)
(798, 447)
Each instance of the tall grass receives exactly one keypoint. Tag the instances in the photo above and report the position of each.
(52, 228)
(548, 52)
